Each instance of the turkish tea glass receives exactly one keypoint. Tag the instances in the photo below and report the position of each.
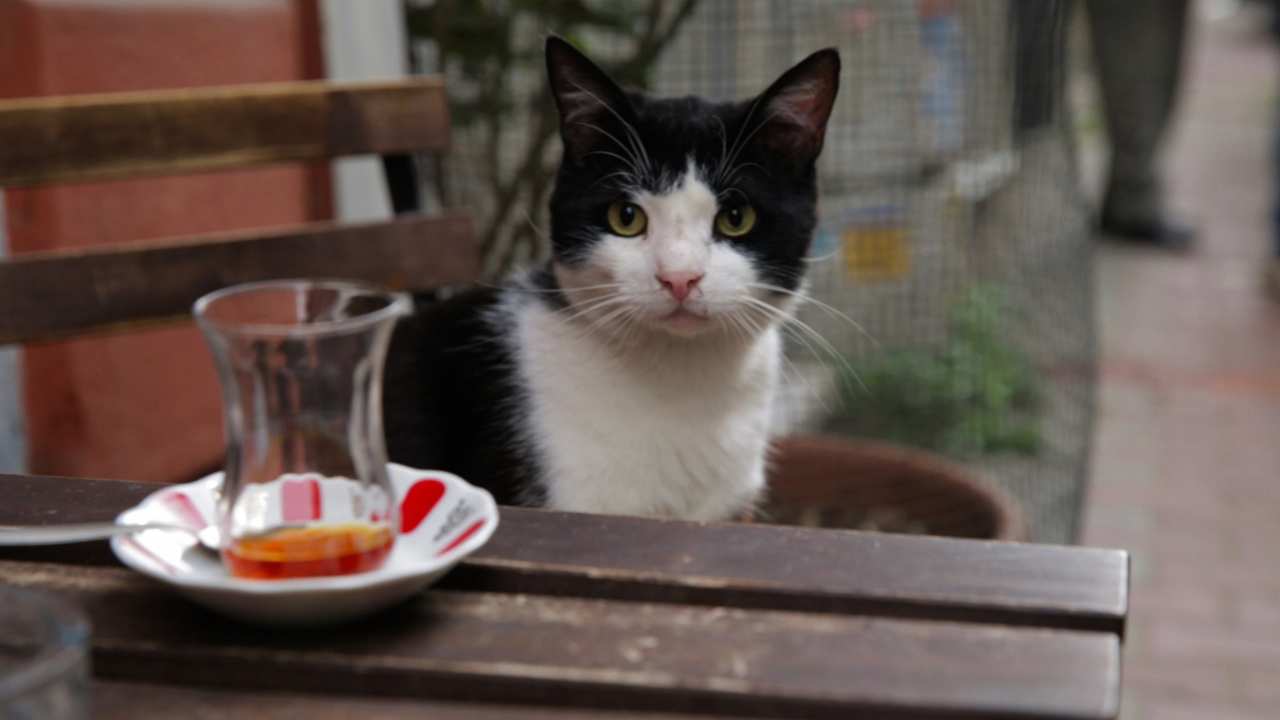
(305, 491)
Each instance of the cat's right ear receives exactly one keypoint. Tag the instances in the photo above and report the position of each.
(588, 100)
(796, 107)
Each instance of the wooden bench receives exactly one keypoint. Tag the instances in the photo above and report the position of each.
(566, 615)
(43, 141)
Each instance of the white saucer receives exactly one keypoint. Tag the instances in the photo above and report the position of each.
(442, 520)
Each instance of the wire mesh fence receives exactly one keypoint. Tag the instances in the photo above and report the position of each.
(951, 268)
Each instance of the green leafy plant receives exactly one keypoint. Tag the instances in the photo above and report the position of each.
(976, 395)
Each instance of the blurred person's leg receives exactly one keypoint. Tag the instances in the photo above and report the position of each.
(1272, 278)
(1273, 267)
(1138, 47)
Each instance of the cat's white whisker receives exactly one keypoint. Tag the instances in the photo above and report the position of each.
(636, 162)
(747, 140)
(583, 308)
(631, 131)
(754, 328)
(621, 159)
(606, 326)
(543, 234)
(601, 286)
(725, 161)
(814, 259)
(628, 325)
(734, 322)
(743, 167)
(724, 146)
(800, 330)
(552, 291)
(631, 323)
(586, 309)
(803, 379)
(790, 371)
(626, 175)
(829, 309)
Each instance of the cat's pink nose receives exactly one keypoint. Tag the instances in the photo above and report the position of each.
(679, 284)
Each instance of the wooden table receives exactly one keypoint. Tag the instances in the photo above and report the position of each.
(582, 616)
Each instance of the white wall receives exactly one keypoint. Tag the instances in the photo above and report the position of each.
(363, 41)
(13, 454)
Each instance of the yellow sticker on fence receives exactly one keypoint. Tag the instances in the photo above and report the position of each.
(876, 253)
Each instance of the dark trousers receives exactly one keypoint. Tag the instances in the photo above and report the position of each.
(1275, 148)
(1138, 47)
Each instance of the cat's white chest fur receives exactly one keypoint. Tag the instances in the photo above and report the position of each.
(673, 431)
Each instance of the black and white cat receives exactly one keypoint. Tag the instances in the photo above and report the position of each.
(634, 373)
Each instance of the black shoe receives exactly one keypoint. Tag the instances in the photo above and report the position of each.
(1159, 233)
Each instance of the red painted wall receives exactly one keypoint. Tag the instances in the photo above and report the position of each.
(145, 405)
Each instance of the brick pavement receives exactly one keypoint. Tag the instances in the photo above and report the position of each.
(1186, 466)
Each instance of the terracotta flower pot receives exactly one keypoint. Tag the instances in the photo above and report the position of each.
(827, 481)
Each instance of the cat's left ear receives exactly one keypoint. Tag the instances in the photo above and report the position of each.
(588, 100)
(795, 109)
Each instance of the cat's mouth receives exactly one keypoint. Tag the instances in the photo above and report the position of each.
(683, 321)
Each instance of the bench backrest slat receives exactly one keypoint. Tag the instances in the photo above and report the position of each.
(101, 137)
(51, 295)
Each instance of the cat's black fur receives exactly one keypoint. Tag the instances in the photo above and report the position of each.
(452, 396)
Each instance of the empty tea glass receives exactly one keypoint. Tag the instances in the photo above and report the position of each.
(305, 491)
(44, 657)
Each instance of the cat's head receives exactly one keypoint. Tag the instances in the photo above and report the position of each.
(680, 215)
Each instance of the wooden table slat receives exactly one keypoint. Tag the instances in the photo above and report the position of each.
(553, 651)
(134, 700)
(745, 565)
(804, 569)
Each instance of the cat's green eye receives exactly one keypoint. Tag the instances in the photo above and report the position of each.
(736, 221)
(627, 219)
